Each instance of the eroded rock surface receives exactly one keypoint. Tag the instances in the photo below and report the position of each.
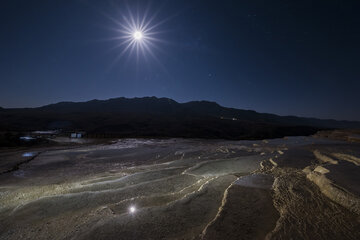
(291, 188)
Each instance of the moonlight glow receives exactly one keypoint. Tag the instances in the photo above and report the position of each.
(136, 34)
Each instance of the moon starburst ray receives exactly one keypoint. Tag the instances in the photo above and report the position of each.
(137, 34)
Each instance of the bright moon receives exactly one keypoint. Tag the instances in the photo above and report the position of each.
(138, 35)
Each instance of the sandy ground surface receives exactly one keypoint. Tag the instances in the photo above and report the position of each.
(290, 188)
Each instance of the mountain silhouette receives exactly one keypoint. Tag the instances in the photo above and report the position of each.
(161, 117)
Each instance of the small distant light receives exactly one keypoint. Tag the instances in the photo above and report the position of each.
(26, 138)
(28, 154)
(132, 209)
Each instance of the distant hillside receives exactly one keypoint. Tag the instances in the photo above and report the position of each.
(161, 117)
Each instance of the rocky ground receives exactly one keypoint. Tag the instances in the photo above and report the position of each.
(289, 188)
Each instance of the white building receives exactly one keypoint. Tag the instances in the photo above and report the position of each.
(76, 135)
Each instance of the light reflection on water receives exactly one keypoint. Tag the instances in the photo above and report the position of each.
(28, 154)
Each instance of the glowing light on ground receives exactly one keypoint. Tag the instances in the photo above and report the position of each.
(132, 209)
(28, 154)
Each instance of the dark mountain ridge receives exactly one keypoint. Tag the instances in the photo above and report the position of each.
(161, 117)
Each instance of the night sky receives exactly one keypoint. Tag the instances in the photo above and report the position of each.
(283, 57)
